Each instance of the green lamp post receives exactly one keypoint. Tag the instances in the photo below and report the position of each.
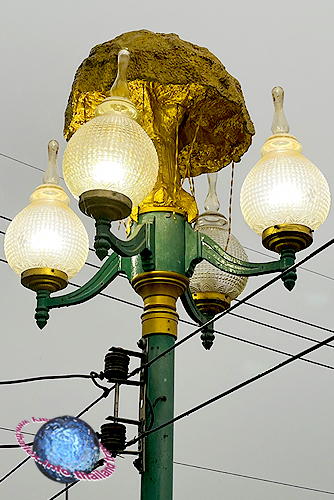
(115, 167)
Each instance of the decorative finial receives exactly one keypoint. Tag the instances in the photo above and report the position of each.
(120, 87)
(51, 175)
(211, 203)
(280, 124)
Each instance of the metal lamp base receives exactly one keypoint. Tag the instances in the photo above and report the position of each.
(293, 236)
(103, 203)
(44, 278)
(211, 303)
(160, 290)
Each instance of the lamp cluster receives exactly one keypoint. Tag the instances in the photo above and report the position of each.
(110, 165)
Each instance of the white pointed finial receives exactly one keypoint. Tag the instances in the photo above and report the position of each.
(280, 124)
(51, 175)
(211, 203)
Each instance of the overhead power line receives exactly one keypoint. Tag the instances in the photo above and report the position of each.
(304, 268)
(245, 318)
(13, 430)
(250, 342)
(238, 304)
(24, 163)
(43, 377)
(292, 318)
(255, 478)
(14, 469)
(105, 394)
(234, 389)
(63, 491)
(257, 322)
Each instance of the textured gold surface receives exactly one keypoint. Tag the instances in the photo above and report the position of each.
(211, 303)
(160, 291)
(190, 106)
(279, 237)
(44, 278)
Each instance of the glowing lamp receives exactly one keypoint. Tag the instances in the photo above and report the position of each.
(66, 445)
(284, 197)
(46, 243)
(110, 164)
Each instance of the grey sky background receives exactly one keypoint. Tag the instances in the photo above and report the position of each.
(279, 428)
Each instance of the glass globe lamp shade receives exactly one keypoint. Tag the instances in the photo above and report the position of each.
(211, 288)
(284, 188)
(111, 153)
(47, 236)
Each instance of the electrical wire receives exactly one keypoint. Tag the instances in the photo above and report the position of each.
(238, 304)
(64, 490)
(241, 339)
(255, 478)
(250, 342)
(234, 389)
(123, 301)
(238, 338)
(257, 322)
(24, 163)
(104, 395)
(292, 318)
(5, 218)
(13, 430)
(304, 268)
(45, 377)
(292, 358)
(14, 469)
(13, 445)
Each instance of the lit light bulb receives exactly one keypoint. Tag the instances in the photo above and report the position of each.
(284, 188)
(47, 235)
(111, 155)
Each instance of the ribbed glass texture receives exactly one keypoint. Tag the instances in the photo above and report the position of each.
(111, 152)
(47, 233)
(284, 187)
(208, 278)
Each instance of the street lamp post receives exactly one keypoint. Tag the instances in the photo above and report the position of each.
(111, 166)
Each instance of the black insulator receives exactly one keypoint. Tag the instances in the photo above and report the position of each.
(116, 365)
(113, 437)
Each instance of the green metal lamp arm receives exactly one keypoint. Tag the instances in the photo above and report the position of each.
(141, 239)
(200, 246)
(105, 275)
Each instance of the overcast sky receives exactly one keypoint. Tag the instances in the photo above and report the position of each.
(279, 428)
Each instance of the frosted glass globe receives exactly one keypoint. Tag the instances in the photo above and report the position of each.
(284, 188)
(47, 233)
(208, 278)
(113, 152)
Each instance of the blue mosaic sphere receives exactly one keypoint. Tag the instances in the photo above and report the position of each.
(65, 445)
